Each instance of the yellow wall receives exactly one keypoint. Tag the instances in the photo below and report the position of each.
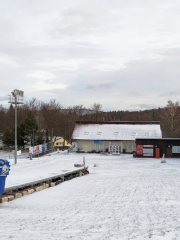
(60, 142)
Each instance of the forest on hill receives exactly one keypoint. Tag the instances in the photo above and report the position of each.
(39, 122)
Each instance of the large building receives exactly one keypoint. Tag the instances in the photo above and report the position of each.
(112, 137)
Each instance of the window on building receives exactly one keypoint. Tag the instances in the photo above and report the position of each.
(86, 133)
(147, 150)
(124, 146)
(93, 147)
(80, 147)
(134, 147)
(116, 133)
(99, 133)
(102, 147)
(129, 148)
(147, 134)
(133, 134)
(176, 149)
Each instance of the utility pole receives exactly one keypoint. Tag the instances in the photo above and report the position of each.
(33, 137)
(15, 156)
(16, 98)
(52, 142)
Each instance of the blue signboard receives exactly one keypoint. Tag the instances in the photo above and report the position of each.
(98, 142)
(4, 171)
(43, 148)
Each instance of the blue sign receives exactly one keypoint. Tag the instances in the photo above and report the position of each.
(43, 148)
(4, 171)
(98, 142)
(4, 167)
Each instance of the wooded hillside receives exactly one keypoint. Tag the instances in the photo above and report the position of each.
(39, 122)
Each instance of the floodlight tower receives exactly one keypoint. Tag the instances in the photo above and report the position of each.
(16, 98)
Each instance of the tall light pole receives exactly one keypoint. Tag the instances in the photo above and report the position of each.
(33, 138)
(16, 98)
(52, 142)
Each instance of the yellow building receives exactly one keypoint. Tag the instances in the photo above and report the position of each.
(59, 143)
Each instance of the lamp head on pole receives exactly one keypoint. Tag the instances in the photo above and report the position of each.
(16, 97)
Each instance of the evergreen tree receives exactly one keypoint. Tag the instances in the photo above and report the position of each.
(40, 138)
(27, 128)
(8, 138)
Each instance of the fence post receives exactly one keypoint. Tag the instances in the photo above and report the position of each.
(84, 162)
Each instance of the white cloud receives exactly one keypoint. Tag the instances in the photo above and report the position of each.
(44, 81)
(41, 75)
(65, 65)
(43, 86)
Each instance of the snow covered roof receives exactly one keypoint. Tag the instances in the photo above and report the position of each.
(116, 131)
(56, 138)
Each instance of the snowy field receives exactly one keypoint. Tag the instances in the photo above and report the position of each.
(9, 155)
(122, 198)
(27, 170)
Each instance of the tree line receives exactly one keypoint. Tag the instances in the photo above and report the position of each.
(39, 122)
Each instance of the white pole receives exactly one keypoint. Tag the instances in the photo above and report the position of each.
(14, 100)
(33, 138)
(15, 156)
(84, 162)
(52, 142)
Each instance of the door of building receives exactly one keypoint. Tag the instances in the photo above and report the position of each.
(168, 152)
(157, 152)
(115, 148)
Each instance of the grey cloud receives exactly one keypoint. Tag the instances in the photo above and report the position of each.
(170, 52)
(107, 84)
(133, 94)
(84, 44)
(170, 94)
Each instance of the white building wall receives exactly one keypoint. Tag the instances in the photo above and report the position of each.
(128, 146)
(89, 146)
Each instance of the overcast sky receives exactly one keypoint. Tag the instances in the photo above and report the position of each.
(124, 54)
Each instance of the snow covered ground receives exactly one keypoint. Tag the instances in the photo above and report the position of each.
(122, 198)
(27, 170)
(10, 155)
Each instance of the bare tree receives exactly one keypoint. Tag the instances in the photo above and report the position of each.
(97, 109)
(171, 119)
(50, 118)
(33, 104)
(78, 109)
